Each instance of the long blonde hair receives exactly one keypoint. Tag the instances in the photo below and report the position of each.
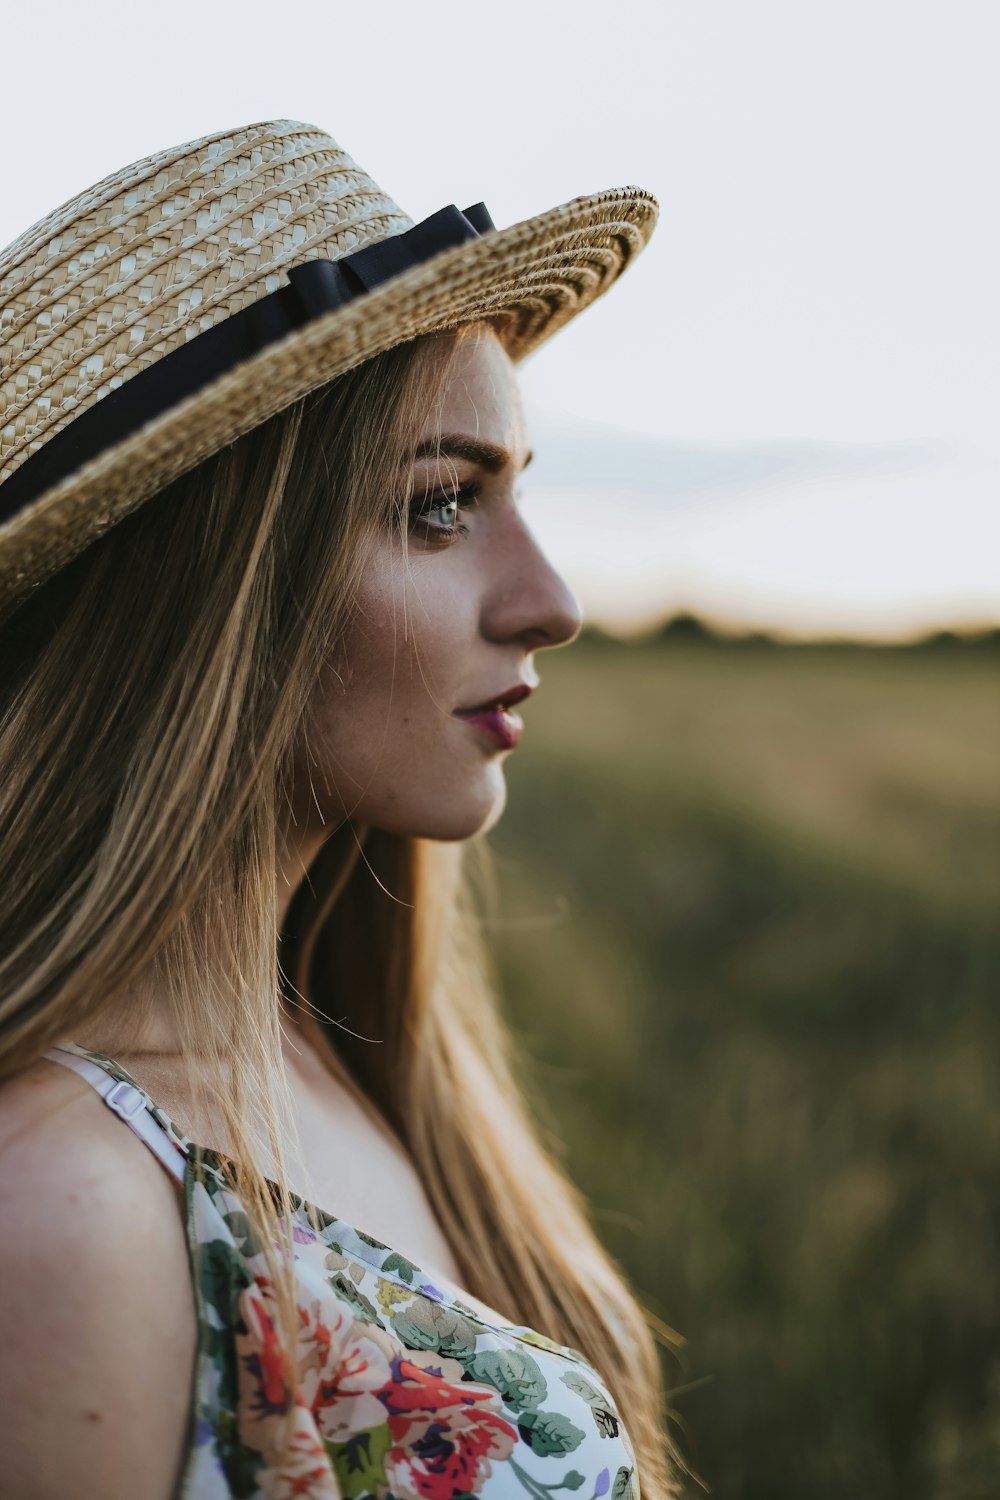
(150, 696)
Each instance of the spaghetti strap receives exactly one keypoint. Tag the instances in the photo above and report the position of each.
(129, 1104)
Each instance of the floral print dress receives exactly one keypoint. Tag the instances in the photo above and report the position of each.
(409, 1393)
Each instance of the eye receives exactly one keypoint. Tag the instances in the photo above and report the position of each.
(446, 503)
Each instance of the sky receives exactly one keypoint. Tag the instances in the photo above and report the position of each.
(783, 415)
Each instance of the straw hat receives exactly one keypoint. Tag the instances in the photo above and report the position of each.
(161, 314)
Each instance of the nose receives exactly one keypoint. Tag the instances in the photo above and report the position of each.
(528, 601)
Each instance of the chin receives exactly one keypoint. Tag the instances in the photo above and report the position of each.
(455, 819)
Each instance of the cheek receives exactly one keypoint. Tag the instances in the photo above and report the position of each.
(384, 702)
(404, 648)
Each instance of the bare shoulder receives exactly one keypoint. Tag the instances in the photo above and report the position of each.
(96, 1300)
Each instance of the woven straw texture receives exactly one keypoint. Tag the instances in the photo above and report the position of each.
(137, 265)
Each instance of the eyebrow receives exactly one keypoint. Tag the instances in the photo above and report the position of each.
(489, 456)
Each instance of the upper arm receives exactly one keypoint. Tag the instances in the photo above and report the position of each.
(96, 1304)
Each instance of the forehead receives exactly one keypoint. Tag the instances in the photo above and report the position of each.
(481, 396)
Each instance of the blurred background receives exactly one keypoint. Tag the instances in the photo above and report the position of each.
(751, 859)
(749, 939)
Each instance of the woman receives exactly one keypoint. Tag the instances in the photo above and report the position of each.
(267, 601)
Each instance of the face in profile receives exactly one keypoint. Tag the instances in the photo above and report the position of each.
(452, 627)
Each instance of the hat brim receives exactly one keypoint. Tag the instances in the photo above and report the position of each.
(536, 275)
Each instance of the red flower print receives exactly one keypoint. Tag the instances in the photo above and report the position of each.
(447, 1432)
(420, 1431)
(260, 1353)
(305, 1472)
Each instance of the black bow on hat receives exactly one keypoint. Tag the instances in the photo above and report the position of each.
(315, 287)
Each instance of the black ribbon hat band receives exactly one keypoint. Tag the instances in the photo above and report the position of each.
(315, 287)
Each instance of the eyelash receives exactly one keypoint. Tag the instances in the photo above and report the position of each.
(466, 494)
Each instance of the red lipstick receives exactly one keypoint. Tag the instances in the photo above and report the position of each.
(496, 718)
(505, 727)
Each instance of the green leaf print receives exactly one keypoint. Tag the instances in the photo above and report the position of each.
(403, 1268)
(530, 1336)
(622, 1487)
(573, 1480)
(463, 1307)
(513, 1373)
(426, 1325)
(574, 1381)
(359, 1463)
(607, 1422)
(604, 1418)
(350, 1294)
(321, 1219)
(241, 1465)
(548, 1432)
(241, 1230)
(368, 1239)
(222, 1276)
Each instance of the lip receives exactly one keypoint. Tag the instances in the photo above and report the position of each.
(501, 724)
(496, 716)
(505, 699)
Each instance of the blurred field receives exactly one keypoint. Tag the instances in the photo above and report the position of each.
(748, 937)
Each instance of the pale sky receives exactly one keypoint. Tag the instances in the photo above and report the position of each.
(784, 414)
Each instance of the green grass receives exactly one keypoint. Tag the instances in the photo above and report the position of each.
(749, 941)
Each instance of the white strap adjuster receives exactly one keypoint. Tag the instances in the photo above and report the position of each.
(125, 1100)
